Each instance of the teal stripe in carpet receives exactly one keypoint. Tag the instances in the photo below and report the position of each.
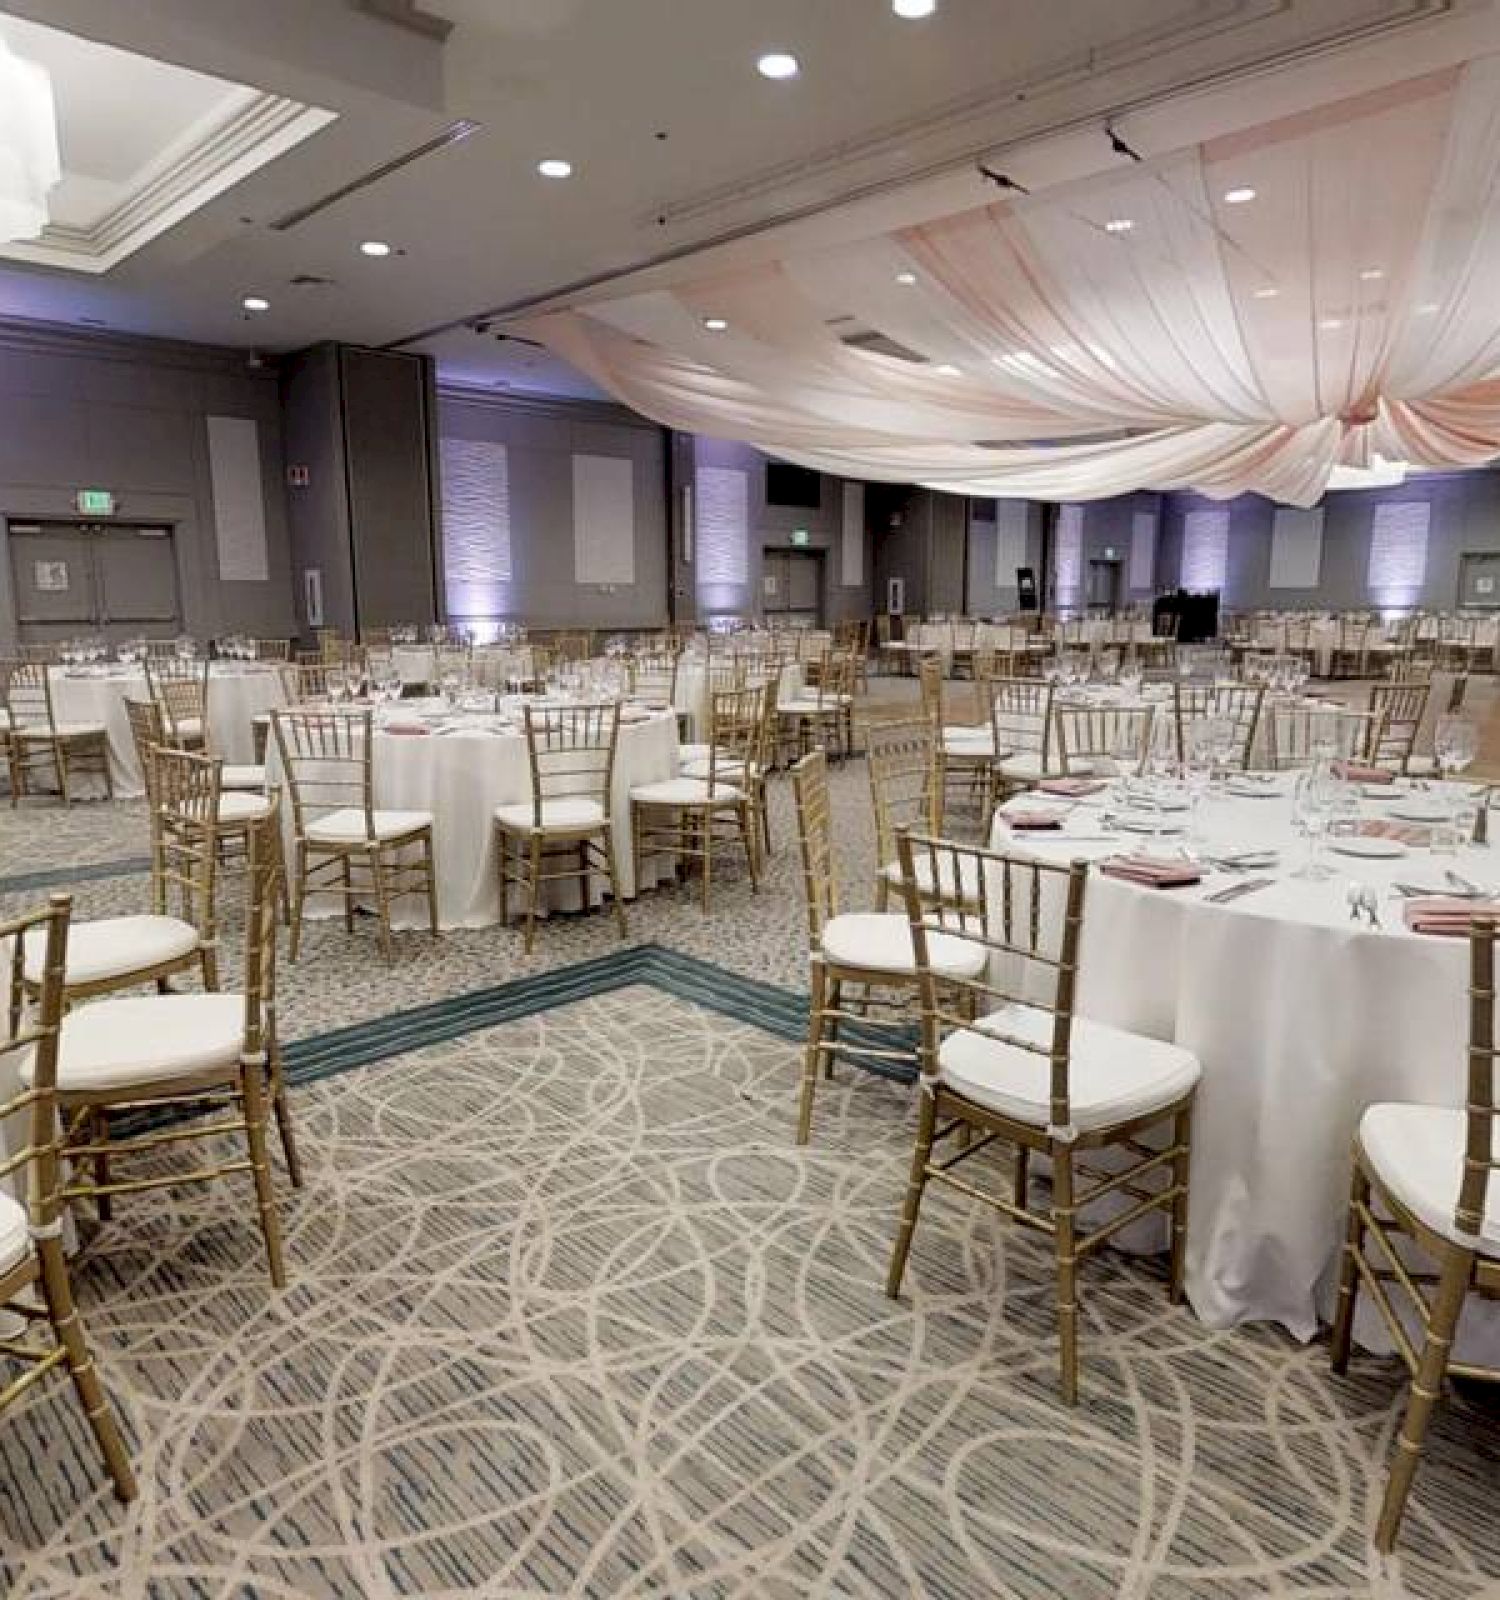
(63, 877)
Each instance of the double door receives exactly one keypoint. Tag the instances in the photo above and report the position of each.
(792, 587)
(115, 579)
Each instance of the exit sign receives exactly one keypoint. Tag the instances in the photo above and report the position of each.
(800, 536)
(95, 502)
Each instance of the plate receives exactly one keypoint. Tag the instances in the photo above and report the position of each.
(1147, 822)
(1419, 810)
(1252, 791)
(1368, 849)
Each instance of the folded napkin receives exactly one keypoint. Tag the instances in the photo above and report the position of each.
(1152, 872)
(1404, 832)
(1440, 914)
(1361, 772)
(1073, 788)
(1032, 819)
(406, 727)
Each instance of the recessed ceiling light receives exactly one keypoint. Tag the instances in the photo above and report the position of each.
(913, 8)
(906, 278)
(1118, 225)
(1371, 275)
(374, 247)
(715, 324)
(777, 64)
(1267, 293)
(255, 302)
(948, 370)
(1238, 197)
(554, 167)
(1331, 324)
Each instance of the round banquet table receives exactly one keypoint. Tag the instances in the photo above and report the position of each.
(1301, 1018)
(460, 769)
(236, 694)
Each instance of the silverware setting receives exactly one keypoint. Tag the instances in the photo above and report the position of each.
(1235, 890)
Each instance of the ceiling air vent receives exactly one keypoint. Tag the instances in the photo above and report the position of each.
(452, 134)
(310, 280)
(881, 344)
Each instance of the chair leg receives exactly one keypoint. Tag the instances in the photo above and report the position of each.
(376, 863)
(253, 1093)
(1354, 1243)
(99, 1134)
(916, 1183)
(817, 1002)
(502, 866)
(706, 823)
(284, 1127)
(533, 888)
(429, 867)
(346, 876)
(109, 782)
(299, 894)
(614, 880)
(1182, 1138)
(60, 761)
(1067, 1269)
(747, 837)
(1020, 1176)
(835, 1004)
(1426, 1389)
(67, 1328)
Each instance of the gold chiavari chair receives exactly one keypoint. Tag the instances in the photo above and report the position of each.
(161, 649)
(1103, 738)
(331, 645)
(1021, 712)
(1396, 713)
(1004, 1057)
(272, 649)
(686, 817)
(180, 687)
(1423, 1181)
(1240, 702)
(1299, 734)
(822, 714)
(41, 745)
(571, 751)
(905, 791)
(35, 1286)
(1350, 657)
(184, 1054)
(573, 647)
(863, 968)
(343, 844)
(656, 677)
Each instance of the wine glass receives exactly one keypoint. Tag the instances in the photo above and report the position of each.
(1312, 811)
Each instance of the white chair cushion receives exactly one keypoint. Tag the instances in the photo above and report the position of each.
(881, 941)
(239, 805)
(967, 874)
(810, 707)
(64, 730)
(261, 719)
(1418, 1153)
(15, 1241)
(113, 1044)
(692, 752)
(246, 777)
(564, 812)
(114, 946)
(187, 728)
(1112, 1075)
(348, 826)
(974, 744)
(686, 792)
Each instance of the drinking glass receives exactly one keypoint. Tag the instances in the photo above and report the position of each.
(1312, 810)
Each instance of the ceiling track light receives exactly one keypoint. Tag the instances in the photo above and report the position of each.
(777, 64)
(913, 10)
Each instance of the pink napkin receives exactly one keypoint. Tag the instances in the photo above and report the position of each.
(1032, 820)
(1441, 914)
(1154, 874)
(1071, 787)
(1404, 832)
(1360, 772)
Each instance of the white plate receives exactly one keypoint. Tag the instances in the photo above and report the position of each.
(1419, 810)
(1147, 822)
(1368, 849)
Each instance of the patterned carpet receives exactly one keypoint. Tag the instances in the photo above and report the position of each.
(570, 1315)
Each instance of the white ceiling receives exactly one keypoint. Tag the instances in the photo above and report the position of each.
(879, 102)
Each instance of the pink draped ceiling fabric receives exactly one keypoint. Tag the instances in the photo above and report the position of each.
(1137, 330)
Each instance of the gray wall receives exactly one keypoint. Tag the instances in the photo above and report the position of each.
(986, 598)
(771, 527)
(96, 411)
(1465, 518)
(541, 437)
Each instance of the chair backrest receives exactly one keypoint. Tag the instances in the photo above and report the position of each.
(32, 1022)
(272, 649)
(655, 675)
(183, 703)
(571, 750)
(147, 732)
(262, 886)
(1021, 714)
(736, 726)
(1119, 736)
(1240, 702)
(1027, 919)
(906, 788)
(1396, 712)
(185, 836)
(27, 688)
(1482, 1115)
(1301, 733)
(573, 646)
(724, 671)
(327, 758)
(303, 682)
(930, 680)
(815, 838)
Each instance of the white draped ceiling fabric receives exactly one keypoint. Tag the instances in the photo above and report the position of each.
(1133, 331)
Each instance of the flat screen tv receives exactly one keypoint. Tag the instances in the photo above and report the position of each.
(787, 485)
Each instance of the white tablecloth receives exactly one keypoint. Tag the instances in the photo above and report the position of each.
(1301, 1019)
(461, 777)
(235, 695)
